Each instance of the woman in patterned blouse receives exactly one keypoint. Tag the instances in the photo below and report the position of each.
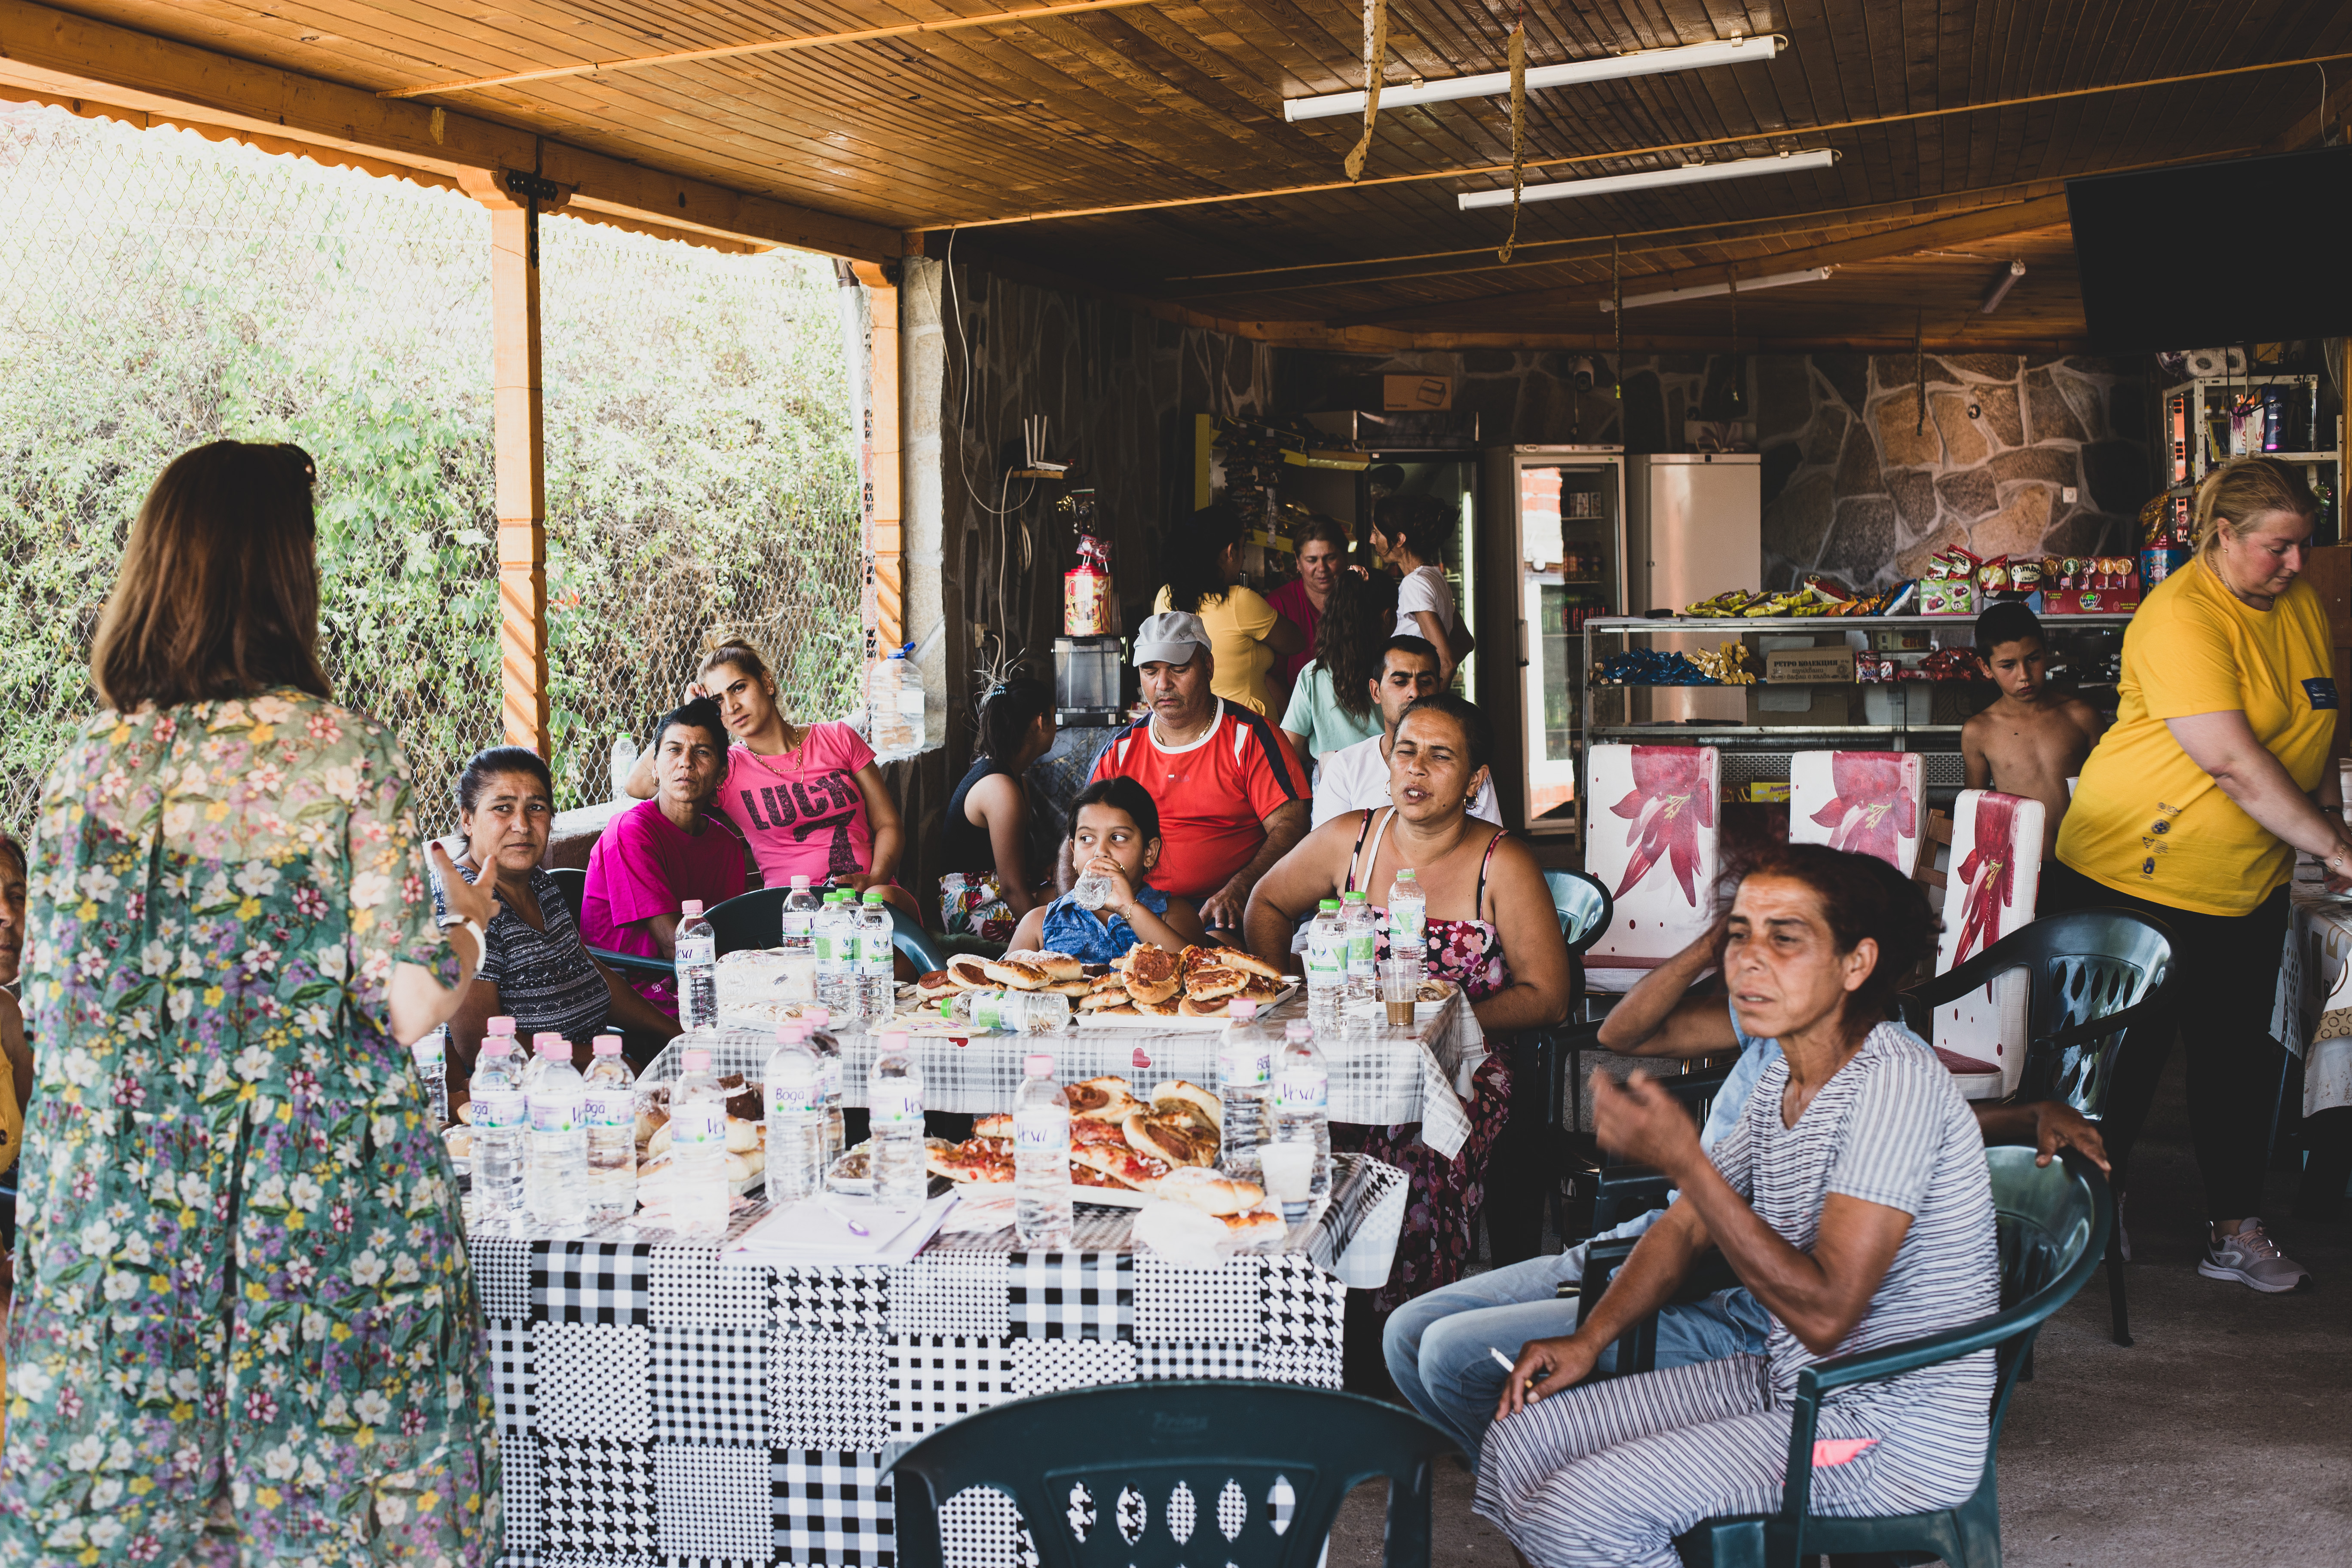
(244, 1327)
(538, 970)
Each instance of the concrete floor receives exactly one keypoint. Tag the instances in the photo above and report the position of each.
(2223, 1436)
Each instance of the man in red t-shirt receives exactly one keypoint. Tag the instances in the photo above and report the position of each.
(1232, 797)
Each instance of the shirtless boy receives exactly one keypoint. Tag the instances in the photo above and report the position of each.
(2030, 741)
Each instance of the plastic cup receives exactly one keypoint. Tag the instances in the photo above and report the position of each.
(1290, 1170)
(1400, 980)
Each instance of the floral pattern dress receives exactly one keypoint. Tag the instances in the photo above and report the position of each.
(246, 1328)
(1440, 1237)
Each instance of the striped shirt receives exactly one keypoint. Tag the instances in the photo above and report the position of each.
(545, 978)
(1889, 1128)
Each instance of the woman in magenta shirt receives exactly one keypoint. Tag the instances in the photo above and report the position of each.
(808, 799)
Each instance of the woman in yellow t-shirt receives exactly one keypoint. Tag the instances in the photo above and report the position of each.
(1246, 635)
(2190, 811)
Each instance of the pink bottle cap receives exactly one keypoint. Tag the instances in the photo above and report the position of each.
(1037, 1064)
(608, 1045)
(816, 1017)
(896, 1040)
(501, 1024)
(1244, 1011)
(553, 1045)
(497, 1044)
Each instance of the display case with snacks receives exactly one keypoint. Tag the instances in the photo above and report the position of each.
(1821, 681)
(2211, 420)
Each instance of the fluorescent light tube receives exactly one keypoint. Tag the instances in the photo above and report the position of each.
(1611, 67)
(1702, 291)
(2000, 288)
(1650, 179)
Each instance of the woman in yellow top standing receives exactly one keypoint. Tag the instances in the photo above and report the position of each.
(2190, 811)
(1248, 635)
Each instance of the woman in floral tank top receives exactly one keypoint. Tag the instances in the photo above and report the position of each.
(245, 1326)
(1478, 881)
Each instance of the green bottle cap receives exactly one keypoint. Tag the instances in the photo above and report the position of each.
(1331, 904)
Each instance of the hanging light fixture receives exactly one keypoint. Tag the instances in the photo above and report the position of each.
(1705, 291)
(1653, 179)
(1612, 68)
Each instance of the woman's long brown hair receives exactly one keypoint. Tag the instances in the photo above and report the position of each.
(218, 595)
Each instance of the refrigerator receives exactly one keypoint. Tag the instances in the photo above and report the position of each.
(1694, 529)
(1553, 556)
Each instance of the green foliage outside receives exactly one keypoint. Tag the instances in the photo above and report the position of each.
(157, 291)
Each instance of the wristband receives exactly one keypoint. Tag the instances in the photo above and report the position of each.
(481, 941)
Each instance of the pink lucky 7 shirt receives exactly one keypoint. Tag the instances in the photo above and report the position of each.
(801, 810)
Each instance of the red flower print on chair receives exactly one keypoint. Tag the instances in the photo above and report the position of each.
(1875, 810)
(1671, 801)
(1989, 872)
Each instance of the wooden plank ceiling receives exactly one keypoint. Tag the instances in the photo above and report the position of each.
(1952, 120)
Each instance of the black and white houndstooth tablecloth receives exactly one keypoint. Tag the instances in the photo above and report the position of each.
(664, 1405)
(1380, 1076)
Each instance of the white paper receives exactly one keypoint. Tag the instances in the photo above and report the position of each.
(816, 1231)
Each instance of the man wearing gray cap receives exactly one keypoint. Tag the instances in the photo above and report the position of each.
(1231, 793)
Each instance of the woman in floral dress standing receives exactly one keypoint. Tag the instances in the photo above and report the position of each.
(245, 1326)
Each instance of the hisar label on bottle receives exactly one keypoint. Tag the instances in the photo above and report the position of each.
(499, 1111)
(876, 947)
(1041, 1130)
(610, 1109)
(1300, 1089)
(699, 1127)
(895, 1106)
(556, 1116)
(1240, 1063)
(697, 950)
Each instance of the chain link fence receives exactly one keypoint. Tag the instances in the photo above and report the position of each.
(158, 291)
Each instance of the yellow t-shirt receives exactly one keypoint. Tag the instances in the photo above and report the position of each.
(2148, 821)
(1234, 624)
(12, 1117)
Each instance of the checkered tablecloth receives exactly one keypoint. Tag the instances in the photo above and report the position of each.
(1380, 1076)
(663, 1406)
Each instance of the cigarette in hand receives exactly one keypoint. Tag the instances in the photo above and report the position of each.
(1500, 1358)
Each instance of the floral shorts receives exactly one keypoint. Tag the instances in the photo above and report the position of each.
(973, 905)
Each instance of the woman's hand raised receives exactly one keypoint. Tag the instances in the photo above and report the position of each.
(476, 901)
(1643, 1123)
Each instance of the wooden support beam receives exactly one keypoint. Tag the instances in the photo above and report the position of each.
(57, 56)
(880, 484)
(1980, 224)
(520, 451)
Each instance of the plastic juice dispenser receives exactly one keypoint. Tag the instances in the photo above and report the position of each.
(1087, 602)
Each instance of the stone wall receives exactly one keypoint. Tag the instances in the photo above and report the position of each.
(1857, 487)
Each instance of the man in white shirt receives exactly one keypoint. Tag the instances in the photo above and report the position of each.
(1357, 777)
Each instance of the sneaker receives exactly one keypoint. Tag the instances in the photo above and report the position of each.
(2253, 1259)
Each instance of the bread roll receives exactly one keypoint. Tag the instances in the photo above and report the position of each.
(1207, 985)
(743, 1136)
(1177, 1094)
(1258, 1224)
(659, 1143)
(1210, 1192)
(936, 985)
(1250, 963)
(1192, 1007)
(1017, 974)
(1150, 973)
(967, 971)
(1060, 965)
(1161, 1007)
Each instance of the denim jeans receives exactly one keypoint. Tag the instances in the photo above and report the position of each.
(1438, 1346)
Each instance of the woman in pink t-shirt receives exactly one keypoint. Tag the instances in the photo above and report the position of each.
(808, 797)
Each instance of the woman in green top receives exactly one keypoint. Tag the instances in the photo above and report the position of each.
(1331, 705)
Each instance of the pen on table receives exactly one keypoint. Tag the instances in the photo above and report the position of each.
(855, 1228)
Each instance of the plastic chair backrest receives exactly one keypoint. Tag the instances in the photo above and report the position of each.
(1651, 840)
(755, 919)
(2076, 970)
(1995, 878)
(573, 884)
(908, 935)
(1583, 906)
(1158, 1474)
(1871, 803)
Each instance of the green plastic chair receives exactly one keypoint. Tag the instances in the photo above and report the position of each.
(2055, 1222)
(572, 883)
(2099, 1020)
(1584, 905)
(1158, 1474)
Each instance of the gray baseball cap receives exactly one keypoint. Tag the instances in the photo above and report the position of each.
(1170, 638)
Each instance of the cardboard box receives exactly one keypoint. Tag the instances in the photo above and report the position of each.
(1822, 705)
(1416, 393)
(1790, 666)
(2090, 601)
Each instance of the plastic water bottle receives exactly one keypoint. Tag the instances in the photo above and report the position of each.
(837, 957)
(798, 942)
(1302, 1099)
(1363, 946)
(1244, 1075)
(555, 1175)
(697, 1141)
(696, 953)
(894, 1100)
(878, 988)
(983, 1010)
(796, 1088)
(827, 1051)
(432, 1054)
(1408, 916)
(1327, 961)
(496, 1091)
(1042, 1216)
(623, 763)
(610, 1105)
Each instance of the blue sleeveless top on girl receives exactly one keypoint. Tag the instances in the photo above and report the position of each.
(1087, 936)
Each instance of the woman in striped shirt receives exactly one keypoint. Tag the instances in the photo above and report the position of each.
(1851, 1198)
